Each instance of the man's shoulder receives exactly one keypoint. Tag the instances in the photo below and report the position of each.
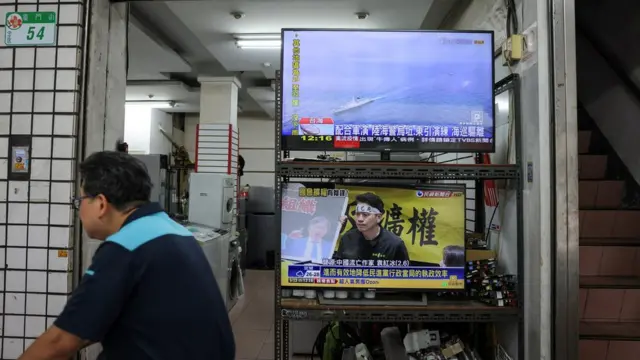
(110, 248)
(391, 238)
(147, 229)
(351, 234)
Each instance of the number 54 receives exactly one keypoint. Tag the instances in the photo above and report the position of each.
(31, 33)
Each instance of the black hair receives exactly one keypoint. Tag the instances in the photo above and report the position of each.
(122, 146)
(371, 199)
(119, 177)
(240, 165)
(453, 255)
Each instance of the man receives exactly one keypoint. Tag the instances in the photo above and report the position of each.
(369, 241)
(314, 247)
(150, 292)
(240, 165)
(122, 146)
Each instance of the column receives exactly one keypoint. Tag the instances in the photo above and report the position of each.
(42, 122)
(103, 125)
(217, 139)
(217, 131)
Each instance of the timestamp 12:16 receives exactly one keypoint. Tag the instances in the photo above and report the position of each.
(317, 137)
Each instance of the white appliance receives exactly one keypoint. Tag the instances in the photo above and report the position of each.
(216, 249)
(235, 285)
(212, 200)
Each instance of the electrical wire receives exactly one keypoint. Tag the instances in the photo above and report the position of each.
(506, 55)
(508, 27)
(511, 28)
(512, 17)
(493, 214)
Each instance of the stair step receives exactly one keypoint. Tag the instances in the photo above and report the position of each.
(601, 194)
(609, 282)
(609, 242)
(584, 141)
(609, 224)
(609, 330)
(610, 305)
(608, 350)
(605, 261)
(591, 167)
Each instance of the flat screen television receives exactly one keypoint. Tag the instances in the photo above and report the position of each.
(387, 90)
(325, 229)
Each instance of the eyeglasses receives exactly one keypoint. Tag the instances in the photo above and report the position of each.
(76, 201)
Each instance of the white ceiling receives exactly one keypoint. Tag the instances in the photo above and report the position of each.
(203, 31)
(212, 23)
(150, 59)
(187, 99)
(265, 97)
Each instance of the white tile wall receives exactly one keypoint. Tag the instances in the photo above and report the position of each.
(39, 93)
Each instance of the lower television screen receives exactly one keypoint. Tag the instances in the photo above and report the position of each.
(331, 239)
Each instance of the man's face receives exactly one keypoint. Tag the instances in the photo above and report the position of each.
(318, 230)
(91, 212)
(366, 221)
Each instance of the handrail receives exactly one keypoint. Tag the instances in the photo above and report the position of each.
(611, 58)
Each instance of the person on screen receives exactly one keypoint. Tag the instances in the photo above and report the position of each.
(314, 247)
(453, 256)
(369, 240)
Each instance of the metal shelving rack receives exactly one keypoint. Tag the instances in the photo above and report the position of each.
(289, 309)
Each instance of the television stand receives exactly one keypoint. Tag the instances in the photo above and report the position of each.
(397, 299)
(385, 156)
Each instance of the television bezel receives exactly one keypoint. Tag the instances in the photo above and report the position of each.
(399, 185)
(387, 147)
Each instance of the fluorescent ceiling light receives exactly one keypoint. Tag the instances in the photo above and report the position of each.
(152, 104)
(257, 36)
(259, 44)
(258, 41)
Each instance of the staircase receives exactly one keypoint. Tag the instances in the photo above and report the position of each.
(609, 250)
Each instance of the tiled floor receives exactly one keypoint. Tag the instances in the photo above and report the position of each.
(253, 320)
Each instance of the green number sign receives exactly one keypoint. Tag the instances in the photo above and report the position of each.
(30, 28)
(31, 32)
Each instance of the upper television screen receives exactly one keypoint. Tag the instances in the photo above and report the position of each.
(387, 90)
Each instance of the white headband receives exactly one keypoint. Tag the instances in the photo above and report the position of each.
(366, 208)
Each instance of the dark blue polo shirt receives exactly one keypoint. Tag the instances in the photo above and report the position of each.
(150, 294)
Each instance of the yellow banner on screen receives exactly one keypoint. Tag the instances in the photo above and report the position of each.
(426, 220)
